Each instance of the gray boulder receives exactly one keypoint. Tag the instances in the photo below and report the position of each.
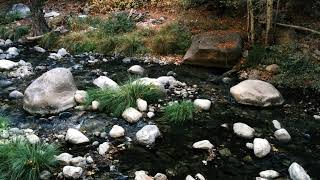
(148, 134)
(51, 93)
(21, 9)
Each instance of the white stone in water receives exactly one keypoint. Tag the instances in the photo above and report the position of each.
(249, 145)
(261, 178)
(282, 135)
(62, 52)
(39, 49)
(276, 124)
(131, 115)
(189, 178)
(243, 130)
(261, 147)
(297, 172)
(103, 148)
(316, 117)
(7, 64)
(95, 105)
(78, 161)
(203, 104)
(16, 94)
(55, 56)
(204, 144)
(22, 72)
(160, 176)
(136, 69)
(104, 82)
(142, 105)
(200, 176)
(80, 96)
(89, 160)
(64, 158)
(72, 172)
(142, 175)
(32, 138)
(269, 174)
(76, 137)
(13, 51)
(150, 114)
(150, 81)
(116, 131)
(148, 134)
(169, 80)
(8, 42)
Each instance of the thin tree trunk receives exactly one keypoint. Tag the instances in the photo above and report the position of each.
(268, 20)
(39, 24)
(250, 21)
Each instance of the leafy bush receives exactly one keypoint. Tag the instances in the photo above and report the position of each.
(24, 161)
(118, 23)
(115, 101)
(4, 122)
(171, 39)
(179, 113)
(130, 44)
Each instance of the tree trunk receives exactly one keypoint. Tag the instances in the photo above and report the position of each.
(269, 20)
(250, 22)
(39, 24)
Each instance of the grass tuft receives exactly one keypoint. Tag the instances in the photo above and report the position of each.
(49, 40)
(24, 161)
(115, 101)
(4, 122)
(179, 113)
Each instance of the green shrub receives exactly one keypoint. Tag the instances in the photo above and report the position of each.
(115, 101)
(179, 113)
(49, 40)
(130, 44)
(171, 39)
(118, 23)
(13, 33)
(7, 18)
(102, 6)
(4, 122)
(24, 161)
(78, 24)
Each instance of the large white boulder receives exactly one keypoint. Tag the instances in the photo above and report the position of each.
(261, 147)
(297, 172)
(52, 92)
(76, 137)
(7, 64)
(148, 134)
(256, 93)
(104, 82)
(72, 172)
(282, 135)
(203, 104)
(131, 115)
(204, 144)
(117, 131)
(243, 130)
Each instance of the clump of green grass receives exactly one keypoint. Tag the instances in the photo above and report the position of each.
(118, 23)
(7, 18)
(21, 160)
(179, 113)
(171, 39)
(13, 32)
(115, 101)
(49, 40)
(4, 122)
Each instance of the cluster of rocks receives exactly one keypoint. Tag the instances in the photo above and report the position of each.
(10, 53)
(19, 134)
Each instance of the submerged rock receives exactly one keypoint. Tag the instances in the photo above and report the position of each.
(148, 134)
(297, 172)
(203, 104)
(204, 144)
(243, 130)
(52, 92)
(261, 147)
(104, 82)
(72, 172)
(131, 115)
(76, 137)
(256, 93)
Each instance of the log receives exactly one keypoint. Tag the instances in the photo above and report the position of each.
(295, 27)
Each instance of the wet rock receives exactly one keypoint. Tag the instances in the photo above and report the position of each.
(65, 115)
(32, 138)
(200, 177)
(5, 83)
(52, 92)
(39, 49)
(13, 51)
(64, 158)
(273, 68)
(215, 50)
(76, 137)
(256, 93)
(243, 130)
(136, 69)
(89, 160)
(116, 131)
(45, 175)
(7, 64)
(190, 178)
(150, 115)
(22, 72)
(8, 42)
(80, 96)
(148, 134)
(276, 124)
(103, 134)
(142, 175)
(203, 104)
(104, 82)
(297, 172)
(204, 144)
(160, 176)
(269, 174)
(142, 105)
(21, 9)
(282, 135)
(261, 147)
(72, 172)
(103, 148)
(78, 161)
(16, 94)
(131, 115)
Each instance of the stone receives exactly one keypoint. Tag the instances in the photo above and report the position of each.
(64, 158)
(269, 174)
(297, 172)
(150, 81)
(22, 72)
(273, 68)
(16, 95)
(142, 105)
(53, 92)
(39, 49)
(249, 145)
(72, 172)
(103, 148)
(190, 178)
(160, 176)
(55, 56)
(45, 175)
(204, 144)
(136, 69)
(217, 49)
(203, 104)
(200, 177)
(5, 83)
(316, 117)
(51, 14)
(8, 42)
(256, 93)
(116, 131)
(89, 160)
(150, 115)
(104, 82)
(168, 81)
(142, 175)
(76, 137)
(95, 105)
(62, 52)
(7, 64)
(32, 138)
(148, 134)
(261, 147)
(282, 135)
(131, 115)
(243, 130)
(78, 161)
(80, 96)
(13, 51)
(276, 124)
(126, 60)
(21, 9)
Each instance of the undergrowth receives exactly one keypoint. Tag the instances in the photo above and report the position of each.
(179, 113)
(13, 33)
(4, 122)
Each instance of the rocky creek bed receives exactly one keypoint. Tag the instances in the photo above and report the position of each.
(172, 154)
